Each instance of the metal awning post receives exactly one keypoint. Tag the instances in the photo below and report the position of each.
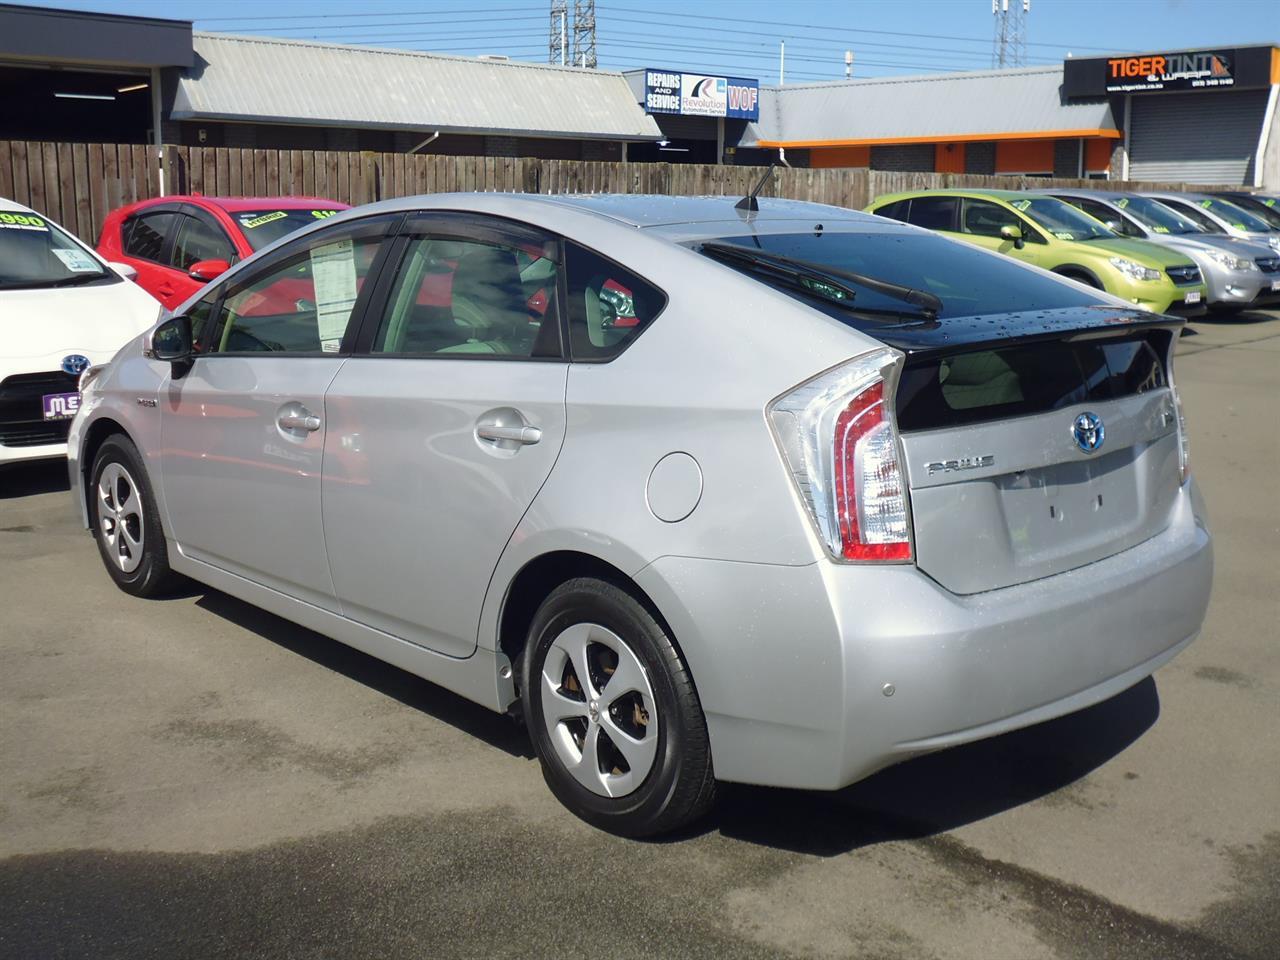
(156, 137)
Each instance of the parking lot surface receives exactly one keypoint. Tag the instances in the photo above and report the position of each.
(196, 778)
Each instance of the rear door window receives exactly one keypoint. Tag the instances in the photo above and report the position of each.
(483, 295)
(608, 305)
(146, 234)
(934, 213)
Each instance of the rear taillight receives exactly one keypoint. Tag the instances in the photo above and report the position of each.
(1184, 442)
(838, 438)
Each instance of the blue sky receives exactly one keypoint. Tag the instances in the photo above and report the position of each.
(887, 37)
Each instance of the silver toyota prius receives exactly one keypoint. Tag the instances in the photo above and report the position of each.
(767, 492)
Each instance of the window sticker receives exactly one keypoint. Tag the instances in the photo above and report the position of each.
(77, 261)
(1021, 204)
(1063, 235)
(265, 218)
(1269, 202)
(22, 221)
(322, 214)
(1160, 229)
(1206, 204)
(333, 270)
(1241, 227)
(1122, 202)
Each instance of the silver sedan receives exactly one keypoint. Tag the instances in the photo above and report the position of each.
(772, 492)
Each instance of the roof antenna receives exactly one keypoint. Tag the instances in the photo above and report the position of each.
(749, 202)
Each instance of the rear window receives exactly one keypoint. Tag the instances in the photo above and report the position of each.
(145, 235)
(264, 227)
(967, 280)
(1025, 379)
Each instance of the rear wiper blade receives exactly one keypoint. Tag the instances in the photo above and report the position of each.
(818, 279)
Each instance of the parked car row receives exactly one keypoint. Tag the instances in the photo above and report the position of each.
(1179, 253)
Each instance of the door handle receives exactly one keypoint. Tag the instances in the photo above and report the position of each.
(523, 435)
(299, 421)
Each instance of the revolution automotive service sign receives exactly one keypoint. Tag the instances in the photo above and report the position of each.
(700, 95)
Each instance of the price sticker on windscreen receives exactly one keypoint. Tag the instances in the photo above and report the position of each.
(333, 270)
(77, 261)
(22, 221)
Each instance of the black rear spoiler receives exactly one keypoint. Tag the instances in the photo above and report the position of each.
(956, 334)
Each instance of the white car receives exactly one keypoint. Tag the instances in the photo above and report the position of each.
(62, 309)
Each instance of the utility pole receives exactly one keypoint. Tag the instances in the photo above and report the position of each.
(848, 64)
(1009, 46)
(557, 46)
(584, 33)
(782, 62)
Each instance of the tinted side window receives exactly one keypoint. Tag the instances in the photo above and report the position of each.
(1195, 216)
(934, 213)
(144, 235)
(608, 305)
(985, 219)
(198, 241)
(895, 211)
(299, 305)
(455, 297)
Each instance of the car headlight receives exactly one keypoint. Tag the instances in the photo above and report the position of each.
(1275, 243)
(1231, 261)
(1135, 271)
(89, 375)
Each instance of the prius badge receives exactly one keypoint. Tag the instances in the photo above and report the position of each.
(1088, 432)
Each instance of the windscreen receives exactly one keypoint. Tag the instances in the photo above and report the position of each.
(34, 253)
(967, 280)
(1238, 217)
(1062, 219)
(266, 226)
(1155, 216)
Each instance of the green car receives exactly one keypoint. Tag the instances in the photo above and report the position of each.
(1054, 235)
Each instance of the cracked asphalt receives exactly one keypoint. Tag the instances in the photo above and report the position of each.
(195, 778)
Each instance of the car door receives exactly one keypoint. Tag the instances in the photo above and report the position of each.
(243, 431)
(197, 237)
(443, 425)
(982, 221)
(147, 238)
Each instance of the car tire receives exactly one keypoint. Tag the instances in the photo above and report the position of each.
(126, 521)
(633, 758)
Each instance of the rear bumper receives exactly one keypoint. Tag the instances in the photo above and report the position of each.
(792, 664)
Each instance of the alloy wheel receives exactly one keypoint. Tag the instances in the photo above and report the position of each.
(598, 708)
(120, 517)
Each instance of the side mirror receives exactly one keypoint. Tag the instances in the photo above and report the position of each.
(208, 269)
(126, 271)
(1010, 232)
(171, 341)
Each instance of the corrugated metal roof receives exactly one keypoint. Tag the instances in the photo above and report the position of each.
(935, 107)
(269, 80)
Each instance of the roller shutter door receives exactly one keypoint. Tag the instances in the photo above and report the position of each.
(1195, 137)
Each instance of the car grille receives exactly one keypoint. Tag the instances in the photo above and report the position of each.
(1268, 264)
(22, 422)
(1184, 275)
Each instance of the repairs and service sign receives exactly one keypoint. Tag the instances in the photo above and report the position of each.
(701, 95)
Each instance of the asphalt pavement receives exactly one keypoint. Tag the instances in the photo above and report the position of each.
(195, 778)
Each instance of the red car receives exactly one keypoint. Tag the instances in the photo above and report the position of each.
(177, 244)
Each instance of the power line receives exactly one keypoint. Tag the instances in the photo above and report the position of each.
(886, 33)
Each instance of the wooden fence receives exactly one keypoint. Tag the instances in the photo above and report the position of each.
(77, 184)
